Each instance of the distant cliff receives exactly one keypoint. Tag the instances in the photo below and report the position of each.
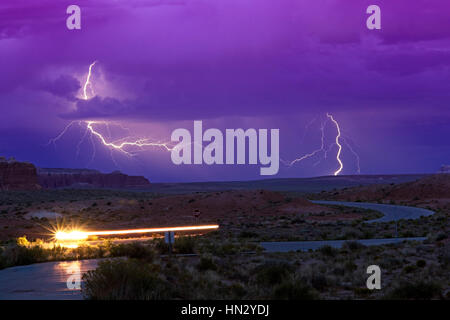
(16, 175)
(61, 178)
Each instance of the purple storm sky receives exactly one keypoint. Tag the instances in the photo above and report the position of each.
(231, 63)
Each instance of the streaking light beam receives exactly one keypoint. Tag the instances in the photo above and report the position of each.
(77, 235)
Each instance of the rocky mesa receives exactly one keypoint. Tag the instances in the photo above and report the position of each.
(15, 175)
(62, 178)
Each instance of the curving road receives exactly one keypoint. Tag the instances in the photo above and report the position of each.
(390, 212)
(287, 246)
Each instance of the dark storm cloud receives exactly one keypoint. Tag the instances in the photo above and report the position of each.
(166, 61)
(65, 86)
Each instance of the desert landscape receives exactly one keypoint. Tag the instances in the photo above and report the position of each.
(234, 262)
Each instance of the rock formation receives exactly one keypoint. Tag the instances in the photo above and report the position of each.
(15, 175)
(61, 178)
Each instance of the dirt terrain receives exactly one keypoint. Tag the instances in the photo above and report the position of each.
(427, 188)
(134, 210)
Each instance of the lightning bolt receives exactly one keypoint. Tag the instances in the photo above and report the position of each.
(140, 143)
(91, 131)
(315, 152)
(338, 155)
(59, 136)
(88, 81)
(324, 150)
(358, 166)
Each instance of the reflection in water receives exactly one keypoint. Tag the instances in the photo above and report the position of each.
(70, 273)
(48, 280)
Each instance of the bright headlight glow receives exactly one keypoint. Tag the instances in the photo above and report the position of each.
(74, 235)
(77, 235)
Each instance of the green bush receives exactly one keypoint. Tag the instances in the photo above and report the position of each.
(409, 269)
(350, 266)
(293, 290)
(206, 263)
(248, 234)
(352, 245)
(418, 291)
(272, 273)
(124, 280)
(421, 263)
(319, 282)
(160, 246)
(19, 255)
(185, 245)
(328, 251)
(134, 250)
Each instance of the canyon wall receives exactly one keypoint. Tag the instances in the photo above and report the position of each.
(16, 175)
(61, 178)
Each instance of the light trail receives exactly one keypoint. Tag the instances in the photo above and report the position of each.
(78, 235)
(338, 155)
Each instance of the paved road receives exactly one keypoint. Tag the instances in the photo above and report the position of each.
(390, 212)
(44, 281)
(286, 246)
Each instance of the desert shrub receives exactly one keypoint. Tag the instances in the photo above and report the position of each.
(248, 234)
(293, 290)
(124, 280)
(88, 252)
(353, 245)
(224, 249)
(390, 262)
(328, 251)
(206, 263)
(409, 269)
(160, 246)
(351, 233)
(272, 273)
(20, 255)
(237, 291)
(134, 250)
(319, 282)
(339, 271)
(22, 241)
(350, 266)
(363, 292)
(418, 291)
(421, 263)
(185, 245)
(441, 236)
(444, 256)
